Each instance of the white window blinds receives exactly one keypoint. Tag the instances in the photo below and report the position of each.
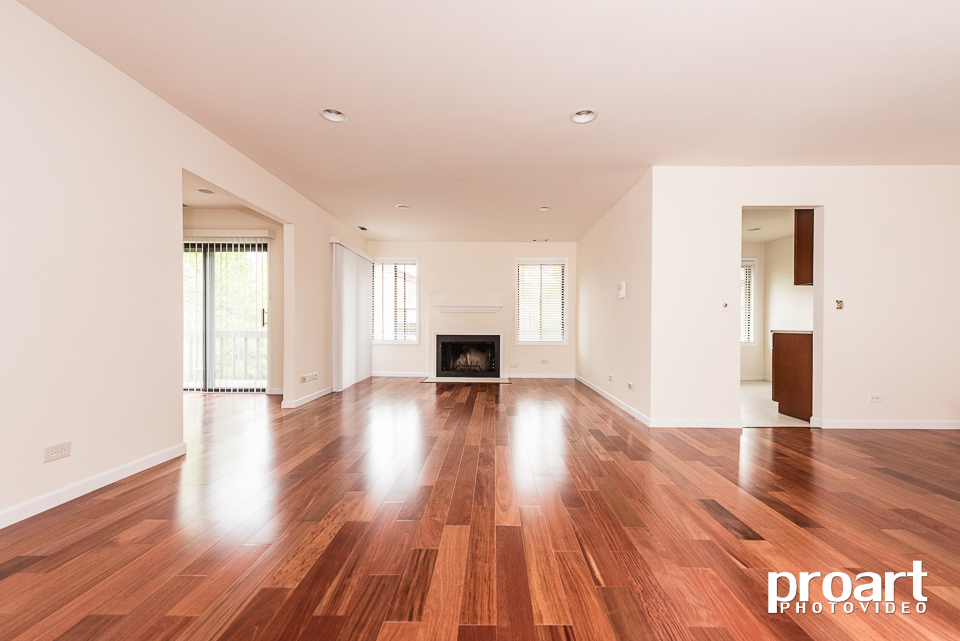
(395, 300)
(747, 270)
(540, 302)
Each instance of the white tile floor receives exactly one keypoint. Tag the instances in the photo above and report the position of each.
(757, 408)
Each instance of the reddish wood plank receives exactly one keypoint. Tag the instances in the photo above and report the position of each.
(508, 504)
(546, 591)
(299, 607)
(477, 633)
(91, 627)
(256, 615)
(625, 616)
(485, 493)
(461, 503)
(399, 631)
(555, 633)
(414, 586)
(587, 610)
(480, 582)
(595, 550)
(365, 619)
(323, 627)
(514, 607)
(441, 612)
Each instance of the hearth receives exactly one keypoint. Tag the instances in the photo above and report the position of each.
(468, 356)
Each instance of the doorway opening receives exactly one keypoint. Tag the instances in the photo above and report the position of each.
(776, 317)
(225, 313)
(233, 292)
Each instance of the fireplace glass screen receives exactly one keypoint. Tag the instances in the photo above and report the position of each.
(467, 358)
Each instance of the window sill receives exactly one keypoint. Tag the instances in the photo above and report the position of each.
(417, 342)
(753, 344)
(541, 342)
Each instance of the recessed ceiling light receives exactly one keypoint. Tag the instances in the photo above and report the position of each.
(402, 206)
(540, 240)
(205, 190)
(583, 116)
(755, 229)
(362, 228)
(543, 208)
(333, 115)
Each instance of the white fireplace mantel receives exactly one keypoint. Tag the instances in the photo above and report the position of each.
(467, 309)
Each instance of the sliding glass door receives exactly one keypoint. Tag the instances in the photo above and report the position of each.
(225, 303)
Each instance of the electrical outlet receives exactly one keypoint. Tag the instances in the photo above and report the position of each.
(874, 398)
(629, 385)
(609, 377)
(56, 452)
(303, 379)
(544, 362)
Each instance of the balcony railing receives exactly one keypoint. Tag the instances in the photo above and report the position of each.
(240, 361)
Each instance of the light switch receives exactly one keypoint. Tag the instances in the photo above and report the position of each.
(622, 290)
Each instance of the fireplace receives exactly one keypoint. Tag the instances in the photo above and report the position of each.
(468, 356)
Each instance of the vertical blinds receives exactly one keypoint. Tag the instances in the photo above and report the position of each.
(395, 300)
(746, 302)
(225, 301)
(540, 302)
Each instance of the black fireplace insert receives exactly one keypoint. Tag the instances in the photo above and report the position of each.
(468, 355)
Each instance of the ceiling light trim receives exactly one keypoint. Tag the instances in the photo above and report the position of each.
(333, 115)
(584, 116)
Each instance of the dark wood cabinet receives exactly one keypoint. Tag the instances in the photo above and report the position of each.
(803, 247)
(793, 373)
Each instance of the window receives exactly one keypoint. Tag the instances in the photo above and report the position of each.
(747, 271)
(395, 301)
(541, 309)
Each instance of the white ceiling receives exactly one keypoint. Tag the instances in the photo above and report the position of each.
(774, 223)
(437, 89)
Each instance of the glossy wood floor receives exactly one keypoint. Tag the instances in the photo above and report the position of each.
(401, 511)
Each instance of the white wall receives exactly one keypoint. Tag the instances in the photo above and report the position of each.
(92, 171)
(788, 306)
(886, 246)
(614, 333)
(194, 218)
(751, 356)
(477, 273)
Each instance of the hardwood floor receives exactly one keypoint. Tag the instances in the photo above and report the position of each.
(402, 511)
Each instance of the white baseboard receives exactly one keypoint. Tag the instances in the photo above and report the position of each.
(859, 424)
(403, 374)
(542, 375)
(752, 377)
(274, 390)
(34, 506)
(632, 411)
(305, 399)
(733, 423)
(768, 379)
